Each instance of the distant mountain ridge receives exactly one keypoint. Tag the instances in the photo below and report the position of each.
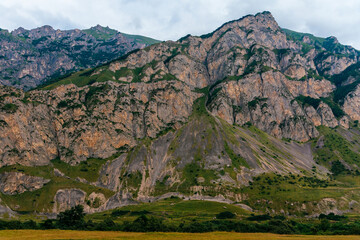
(30, 57)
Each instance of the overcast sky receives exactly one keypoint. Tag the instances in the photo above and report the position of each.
(172, 19)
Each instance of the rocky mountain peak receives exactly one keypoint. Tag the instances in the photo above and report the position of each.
(261, 21)
(45, 30)
(19, 31)
(98, 27)
(268, 19)
(332, 39)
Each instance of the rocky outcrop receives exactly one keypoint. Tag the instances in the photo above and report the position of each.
(352, 104)
(66, 198)
(58, 173)
(29, 57)
(6, 211)
(15, 183)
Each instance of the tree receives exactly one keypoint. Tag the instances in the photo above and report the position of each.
(72, 218)
(47, 224)
(337, 168)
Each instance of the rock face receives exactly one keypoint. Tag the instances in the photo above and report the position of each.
(79, 123)
(15, 183)
(29, 57)
(197, 118)
(352, 104)
(267, 100)
(67, 198)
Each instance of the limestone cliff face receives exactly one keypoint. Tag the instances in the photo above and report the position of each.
(78, 123)
(267, 100)
(16, 183)
(29, 57)
(352, 104)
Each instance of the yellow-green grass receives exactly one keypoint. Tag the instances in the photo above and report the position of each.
(300, 188)
(350, 181)
(173, 211)
(63, 234)
(297, 190)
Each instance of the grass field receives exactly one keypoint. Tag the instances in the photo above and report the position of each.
(173, 210)
(62, 234)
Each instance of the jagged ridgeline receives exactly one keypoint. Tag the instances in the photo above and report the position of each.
(28, 58)
(250, 114)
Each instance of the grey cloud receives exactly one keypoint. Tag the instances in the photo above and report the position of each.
(165, 20)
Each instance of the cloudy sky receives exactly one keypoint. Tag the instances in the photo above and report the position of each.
(172, 19)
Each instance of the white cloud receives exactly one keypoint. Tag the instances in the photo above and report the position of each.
(164, 20)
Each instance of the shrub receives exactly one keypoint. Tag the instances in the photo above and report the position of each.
(225, 215)
(259, 217)
(337, 168)
(118, 213)
(10, 108)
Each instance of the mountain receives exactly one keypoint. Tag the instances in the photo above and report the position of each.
(251, 114)
(30, 57)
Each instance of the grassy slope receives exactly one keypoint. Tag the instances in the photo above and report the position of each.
(88, 169)
(298, 36)
(82, 78)
(107, 33)
(101, 74)
(103, 35)
(142, 39)
(173, 210)
(295, 188)
(42, 199)
(336, 147)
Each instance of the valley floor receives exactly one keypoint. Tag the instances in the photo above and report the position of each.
(63, 234)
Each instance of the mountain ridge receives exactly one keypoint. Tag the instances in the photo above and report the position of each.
(30, 57)
(246, 114)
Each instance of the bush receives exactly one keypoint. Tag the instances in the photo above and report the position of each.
(118, 213)
(10, 108)
(145, 224)
(106, 225)
(306, 100)
(332, 216)
(259, 217)
(225, 215)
